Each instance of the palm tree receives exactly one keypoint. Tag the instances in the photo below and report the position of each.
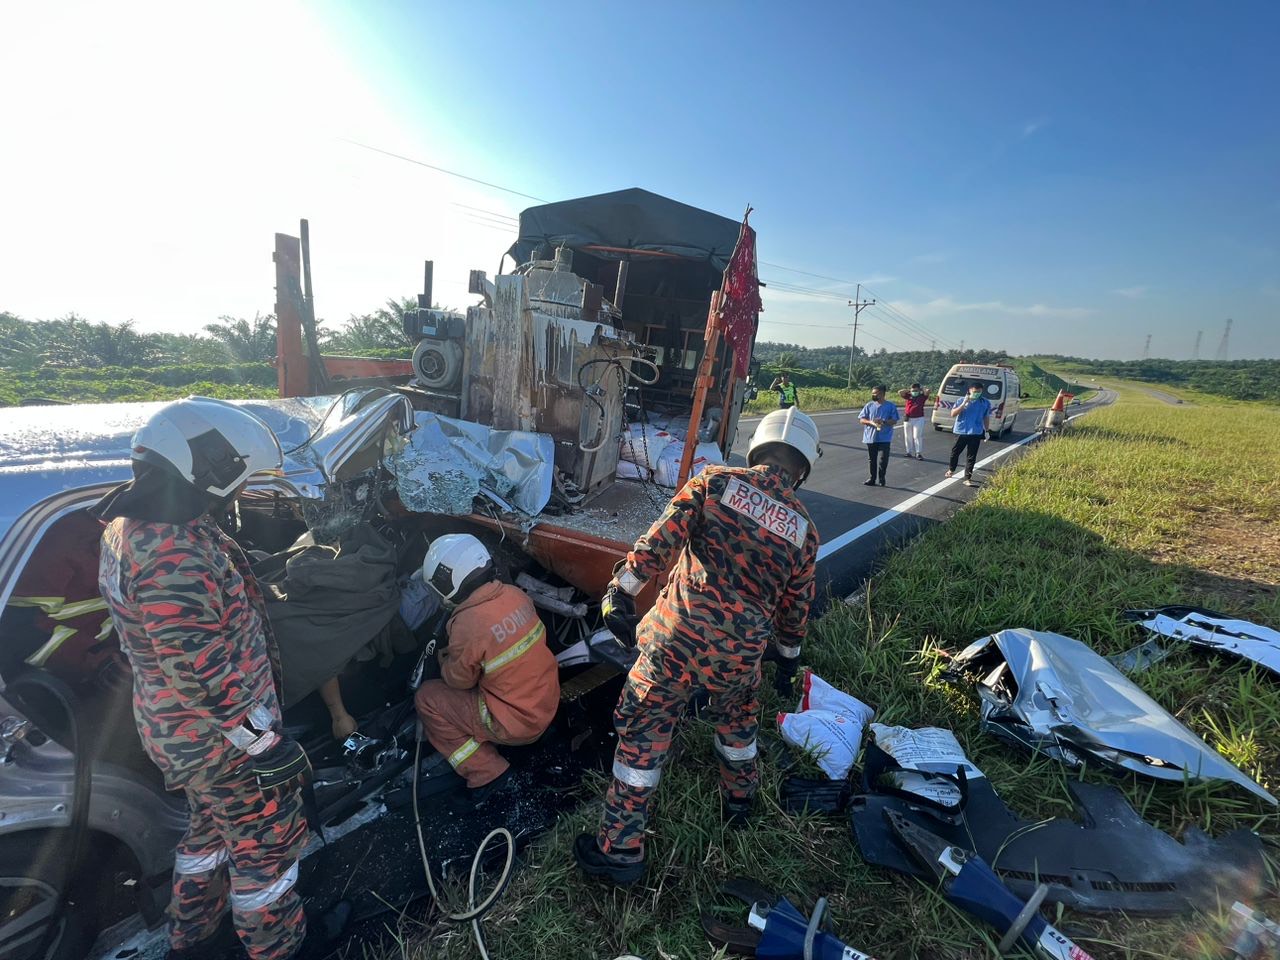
(246, 341)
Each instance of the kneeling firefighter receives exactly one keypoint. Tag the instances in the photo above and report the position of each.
(191, 620)
(744, 573)
(500, 681)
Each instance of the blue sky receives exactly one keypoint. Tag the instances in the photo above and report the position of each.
(1037, 177)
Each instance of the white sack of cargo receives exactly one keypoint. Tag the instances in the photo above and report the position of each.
(631, 471)
(828, 726)
(667, 472)
(643, 444)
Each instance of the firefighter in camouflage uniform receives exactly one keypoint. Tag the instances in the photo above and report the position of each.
(191, 620)
(744, 575)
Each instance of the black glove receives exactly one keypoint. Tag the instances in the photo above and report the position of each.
(619, 611)
(281, 764)
(784, 675)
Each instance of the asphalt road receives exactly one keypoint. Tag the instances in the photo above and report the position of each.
(858, 523)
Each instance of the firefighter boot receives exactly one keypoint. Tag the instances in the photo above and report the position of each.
(596, 863)
(324, 927)
(735, 813)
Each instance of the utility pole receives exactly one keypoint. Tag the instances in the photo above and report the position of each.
(1222, 345)
(857, 303)
(1195, 351)
(933, 346)
(1146, 348)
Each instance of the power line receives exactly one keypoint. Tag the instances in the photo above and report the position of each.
(504, 222)
(432, 166)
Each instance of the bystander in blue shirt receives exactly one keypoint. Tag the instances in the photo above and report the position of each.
(969, 415)
(879, 410)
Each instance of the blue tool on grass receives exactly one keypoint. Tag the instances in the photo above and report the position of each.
(973, 886)
(775, 929)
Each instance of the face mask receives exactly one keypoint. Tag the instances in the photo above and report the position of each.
(974, 394)
(915, 393)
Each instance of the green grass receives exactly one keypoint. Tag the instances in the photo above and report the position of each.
(118, 384)
(1138, 504)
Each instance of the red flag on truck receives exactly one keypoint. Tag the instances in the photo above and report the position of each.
(740, 304)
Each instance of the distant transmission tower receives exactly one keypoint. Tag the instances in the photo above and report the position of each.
(1146, 348)
(1222, 344)
(1195, 351)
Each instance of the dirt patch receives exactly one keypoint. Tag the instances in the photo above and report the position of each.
(1232, 557)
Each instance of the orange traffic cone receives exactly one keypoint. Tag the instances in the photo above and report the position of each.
(1059, 405)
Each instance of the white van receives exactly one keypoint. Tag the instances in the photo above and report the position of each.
(1000, 385)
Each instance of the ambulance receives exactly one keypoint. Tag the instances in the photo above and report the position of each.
(1000, 385)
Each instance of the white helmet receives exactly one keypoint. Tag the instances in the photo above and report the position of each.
(213, 445)
(791, 427)
(455, 565)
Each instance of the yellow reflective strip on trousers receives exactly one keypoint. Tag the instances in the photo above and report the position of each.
(460, 756)
(79, 608)
(517, 649)
(50, 646)
(47, 605)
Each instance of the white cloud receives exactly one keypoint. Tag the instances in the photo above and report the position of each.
(1031, 127)
(1132, 293)
(941, 307)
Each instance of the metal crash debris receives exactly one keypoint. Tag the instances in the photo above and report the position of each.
(1111, 860)
(1055, 695)
(1201, 628)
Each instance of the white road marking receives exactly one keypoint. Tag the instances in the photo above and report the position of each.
(888, 516)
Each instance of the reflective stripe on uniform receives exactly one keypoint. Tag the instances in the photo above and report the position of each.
(517, 649)
(736, 754)
(789, 653)
(629, 582)
(261, 899)
(199, 863)
(79, 608)
(461, 755)
(50, 646)
(634, 777)
(485, 716)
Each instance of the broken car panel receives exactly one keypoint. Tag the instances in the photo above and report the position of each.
(1053, 694)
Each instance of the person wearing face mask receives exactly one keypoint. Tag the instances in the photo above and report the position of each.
(972, 424)
(913, 412)
(878, 419)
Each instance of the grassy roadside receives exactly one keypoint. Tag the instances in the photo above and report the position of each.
(1142, 503)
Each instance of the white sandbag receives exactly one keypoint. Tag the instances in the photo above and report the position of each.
(643, 444)
(817, 694)
(828, 724)
(921, 752)
(632, 471)
(667, 472)
(832, 739)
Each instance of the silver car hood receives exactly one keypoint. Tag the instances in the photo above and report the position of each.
(1054, 694)
(59, 458)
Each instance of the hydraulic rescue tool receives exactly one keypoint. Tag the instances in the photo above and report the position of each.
(973, 886)
(775, 929)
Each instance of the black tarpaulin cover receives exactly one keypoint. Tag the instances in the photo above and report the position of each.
(633, 219)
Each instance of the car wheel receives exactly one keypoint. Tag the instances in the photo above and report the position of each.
(28, 899)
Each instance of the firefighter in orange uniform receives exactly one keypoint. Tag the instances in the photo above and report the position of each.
(745, 551)
(500, 681)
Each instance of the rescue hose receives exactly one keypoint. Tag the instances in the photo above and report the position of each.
(81, 786)
(474, 912)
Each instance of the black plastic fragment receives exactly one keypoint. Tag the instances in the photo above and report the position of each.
(1111, 860)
